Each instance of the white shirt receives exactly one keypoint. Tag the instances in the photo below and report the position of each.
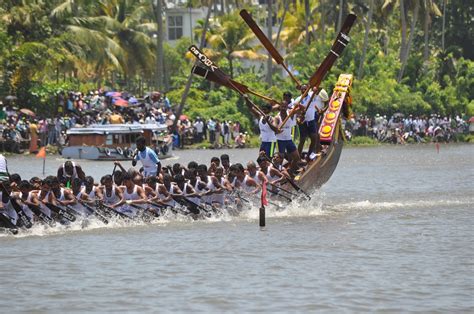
(266, 133)
(285, 135)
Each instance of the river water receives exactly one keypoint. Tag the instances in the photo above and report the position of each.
(392, 231)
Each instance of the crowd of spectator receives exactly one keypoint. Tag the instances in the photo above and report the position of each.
(22, 128)
(399, 129)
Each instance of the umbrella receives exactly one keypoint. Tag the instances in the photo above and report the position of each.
(133, 100)
(10, 98)
(28, 112)
(471, 120)
(113, 94)
(183, 117)
(120, 102)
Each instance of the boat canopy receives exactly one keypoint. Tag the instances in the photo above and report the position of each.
(117, 129)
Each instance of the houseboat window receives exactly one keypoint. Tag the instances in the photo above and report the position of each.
(175, 27)
(109, 139)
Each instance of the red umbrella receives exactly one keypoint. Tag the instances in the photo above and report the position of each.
(471, 120)
(28, 112)
(121, 102)
(183, 117)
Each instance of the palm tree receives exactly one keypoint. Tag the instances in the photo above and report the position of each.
(232, 39)
(429, 8)
(112, 34)
(406, 52)
(367, 23)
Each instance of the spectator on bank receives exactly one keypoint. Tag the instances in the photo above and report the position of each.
(199, 127)
(116, 118)
(211, 126)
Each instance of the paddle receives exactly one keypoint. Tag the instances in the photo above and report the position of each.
(111, 210)
(278, 193)
(42, 216)
(93, 211)
(8, 224)
(211, 76)
(291, 181)
(337, 48)
(226, 80)
(25, 220)
(62, 212)
(266, 43)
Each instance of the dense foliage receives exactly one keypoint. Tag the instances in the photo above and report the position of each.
(417, 56)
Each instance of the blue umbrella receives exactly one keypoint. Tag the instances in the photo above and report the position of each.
(133, 100)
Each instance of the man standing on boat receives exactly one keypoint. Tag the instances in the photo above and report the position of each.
(151, 163)
(68, 171)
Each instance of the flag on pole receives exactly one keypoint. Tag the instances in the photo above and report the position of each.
(264, 194)
(41, 153)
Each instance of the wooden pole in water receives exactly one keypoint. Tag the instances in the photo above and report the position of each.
(262, 216)
(44, 164)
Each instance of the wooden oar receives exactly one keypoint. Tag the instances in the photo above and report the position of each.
(267, 43)
(8, 224)
(223, 77)
(211, 76)
(62, 212)
(42, 216)
(337, 48)
(94, 212)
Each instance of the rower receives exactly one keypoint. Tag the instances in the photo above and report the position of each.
(134, 196)
(6, 208)
(285, 143)
(151, 163)
(225, 162)
(195, 182)
(267, 132)
(256, 174)
(3, 169)
(242, 181)
(68, 171)
(80, 194)
(91, 190)
(219, 198)
(308, 124)
(25, 196)
(138, 180)
(62, 195)
(215, 162)
(272, 174)
(182, 187)
(212, 184)
(45, 196)
(112, 194)
(164, 192)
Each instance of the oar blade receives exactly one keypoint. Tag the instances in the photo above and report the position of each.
(261, 36)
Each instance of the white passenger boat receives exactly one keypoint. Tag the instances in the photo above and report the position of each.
(116, 141)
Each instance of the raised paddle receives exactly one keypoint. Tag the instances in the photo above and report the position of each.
(223, 77)
(266, 43)
(337, 48)
(211, 76)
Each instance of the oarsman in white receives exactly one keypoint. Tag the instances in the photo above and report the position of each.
(211, 182)
(79, 193)
(256, 174)
(195, 182)
(284, 139)
(267, 132)
(219, 198)
(93, 192)
(112, 194)
(3, 168)
(273, 175)
(151, 163)
(62, 195)
(242, 181)
(68, 171)
(309, 122)
(185, 189)
(134, 196)
(165, 191)
(6, 208)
